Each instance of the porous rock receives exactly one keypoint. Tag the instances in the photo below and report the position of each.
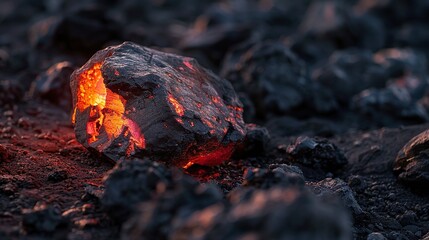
(275, 79)
(255, 142)
(131, 182)
(132, 100)
(159, 217)
(272, 214)
(279, 175)
(316, 153)
(329, 189)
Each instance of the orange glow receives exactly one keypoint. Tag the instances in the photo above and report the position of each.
(107, 109)
(136, 135)
(211, 158)
(91, 91)
(178, 108)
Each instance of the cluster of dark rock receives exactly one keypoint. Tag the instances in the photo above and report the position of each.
(348, 63)
(301, 68)
(182, 208)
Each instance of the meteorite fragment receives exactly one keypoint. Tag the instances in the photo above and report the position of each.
(130, 100)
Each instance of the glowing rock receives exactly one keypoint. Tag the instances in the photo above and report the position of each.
(130, 100)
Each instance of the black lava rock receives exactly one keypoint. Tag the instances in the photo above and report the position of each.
(271, 74)
(10, 93)
(58, 176)
(255, 142)
(84, 30)
(275, 79)
(387, 105)
(349, 72)
(334, 21)
(131, 182)
(263, 214)
(54, 85)
(329, 189)
(277, 175)
(45, 219)
(141, 102)
(316, 153)
(406, 69)
(160, 217)
(412, 162)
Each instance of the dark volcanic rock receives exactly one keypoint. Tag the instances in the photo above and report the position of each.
(54, 85)
(405, 69)
(256, 141)
(82, 30)
(350, 72)
(272, 214)
(276, 80)
(316, 153)
(412, 162)
(132, 100)
(132, 182)
(43, 219)
(158, 218)
(58, 176)
(329, 189)
(334, 21)
(278, 175)
(10, 93)
(388, 105)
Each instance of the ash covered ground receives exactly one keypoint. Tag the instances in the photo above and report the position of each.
(335, 95)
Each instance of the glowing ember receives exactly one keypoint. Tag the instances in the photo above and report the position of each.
(130, 100)
(106, 115)
(176, 105)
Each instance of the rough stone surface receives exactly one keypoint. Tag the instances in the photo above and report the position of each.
(263, 214)
(255, 142)
(132, 100)
(162, 215)
(348, 73)
(316, 153)
(280, 175)
(43, 219)
(276, 80)
(336, 188)
(132, 182)
(412, 162)
(53, 85)
(392, 101)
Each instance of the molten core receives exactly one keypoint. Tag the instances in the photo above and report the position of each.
(130, 100)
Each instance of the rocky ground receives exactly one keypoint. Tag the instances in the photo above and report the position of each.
(332, 92)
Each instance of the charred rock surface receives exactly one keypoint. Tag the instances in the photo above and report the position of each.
(280, 175)
(330, 189)
(160, 217)
(54, 85)
(412, 162)
(262, 214)
(275, 79)
(132, 182)
(316, 153)
(364, 72)
(132, 100)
